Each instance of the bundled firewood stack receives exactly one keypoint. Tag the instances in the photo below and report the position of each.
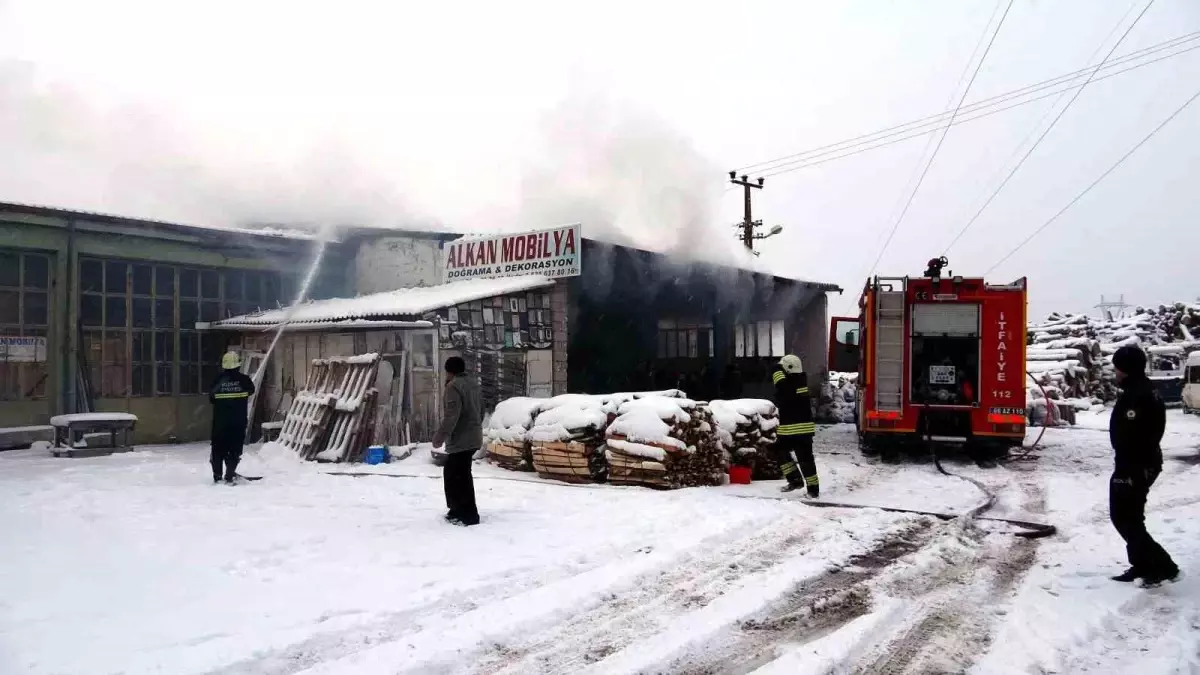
(506, 433)
(746, 429)
(665, 443)
(333, 418)
(567, 438)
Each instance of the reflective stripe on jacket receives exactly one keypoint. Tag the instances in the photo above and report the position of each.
(794, 403)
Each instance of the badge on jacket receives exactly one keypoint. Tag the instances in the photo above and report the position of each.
(1130, 414)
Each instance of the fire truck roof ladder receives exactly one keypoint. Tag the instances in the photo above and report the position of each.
(889, 344)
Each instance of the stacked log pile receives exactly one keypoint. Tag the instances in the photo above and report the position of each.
(506, 433)
(665, 443)
(567, 439)
(746, 430)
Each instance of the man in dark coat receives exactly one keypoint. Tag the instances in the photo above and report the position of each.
(230, 398)
(462, 433)
(1136, 430)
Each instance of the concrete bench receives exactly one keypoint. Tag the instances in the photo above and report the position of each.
(83, 434)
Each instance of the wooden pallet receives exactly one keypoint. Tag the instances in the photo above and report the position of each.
(333, 418)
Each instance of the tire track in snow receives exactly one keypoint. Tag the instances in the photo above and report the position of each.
(596, 633)
(661, 605)
(391, 626)
(950, 621)
(814, 608)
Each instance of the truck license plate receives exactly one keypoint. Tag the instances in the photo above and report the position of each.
(942, 374)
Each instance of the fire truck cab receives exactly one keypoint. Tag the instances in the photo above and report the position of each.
(940, 359)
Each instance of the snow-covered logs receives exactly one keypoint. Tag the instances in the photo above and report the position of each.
(506, 433)
(746, 429)
(664, 443)
(567, 439)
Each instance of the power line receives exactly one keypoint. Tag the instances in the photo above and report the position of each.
(963, 119)
(1096, 182)
(1047, 130)
(998, 99)
(924, 172)
(1046, 115)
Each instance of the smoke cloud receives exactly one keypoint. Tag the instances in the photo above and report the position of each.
(67, 150)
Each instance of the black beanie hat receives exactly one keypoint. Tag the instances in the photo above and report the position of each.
(1130, 360)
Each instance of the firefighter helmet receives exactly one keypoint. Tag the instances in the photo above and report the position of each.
(231, 361)
(791, 364)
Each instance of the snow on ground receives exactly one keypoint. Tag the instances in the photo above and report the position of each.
(134, 563)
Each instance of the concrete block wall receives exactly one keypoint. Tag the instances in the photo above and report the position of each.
(388, 263)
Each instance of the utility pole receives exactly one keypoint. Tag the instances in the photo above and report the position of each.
(748, 223)
(1106, 308)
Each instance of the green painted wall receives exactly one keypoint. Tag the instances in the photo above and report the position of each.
(187, 418)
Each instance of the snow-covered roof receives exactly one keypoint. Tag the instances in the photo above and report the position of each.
(401, 303)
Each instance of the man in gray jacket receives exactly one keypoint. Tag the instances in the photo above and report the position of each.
(462, 433)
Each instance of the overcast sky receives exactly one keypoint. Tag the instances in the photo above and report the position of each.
(625, 117)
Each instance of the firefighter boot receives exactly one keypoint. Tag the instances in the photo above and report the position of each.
(792, 473)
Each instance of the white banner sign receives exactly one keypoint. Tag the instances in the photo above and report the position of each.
(553, 253)
(22, 349)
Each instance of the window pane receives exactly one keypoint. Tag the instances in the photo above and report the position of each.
(91, 275)
(750, 341)
(141, 346)
(681, 338)
(36, 309)
(114, 311)
(271, 291)
(189, 379)
(189, 346)
(114, 277)
(778, 346)
(254, 287)
(208, 375)
(210, 311)
(189, 313)
(233, 286)
(37, 271)
(115, 382)
(211, 349)
(91, 310)
(764, 338)
(189, 283)
(210, 285)
(114, 347)
(10, 270)
(142, 278)
(162, 383)
(164, 281)
(10, 307)
(142, 384)
(93, 345)
(164, 347)
(164, 313)
(693, 343)
(141, 312)
(662, 344)
(36, 375)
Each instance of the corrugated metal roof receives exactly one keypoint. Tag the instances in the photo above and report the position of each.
(399, 304)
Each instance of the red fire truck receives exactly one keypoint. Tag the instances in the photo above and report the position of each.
(940, 358)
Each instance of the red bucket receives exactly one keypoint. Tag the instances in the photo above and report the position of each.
(739, 475)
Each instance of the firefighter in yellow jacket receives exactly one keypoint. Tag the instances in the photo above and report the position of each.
(793, 448)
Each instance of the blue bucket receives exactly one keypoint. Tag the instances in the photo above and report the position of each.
(376, 454)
